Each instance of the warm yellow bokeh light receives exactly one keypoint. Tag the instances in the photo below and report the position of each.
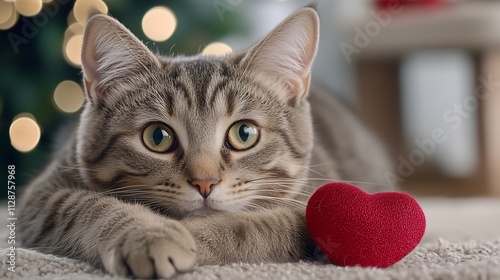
(82, 8)
(67, 34)
(68, 96)
(6, 10)
(73, 49)
(24, 134)
(159, 23)
(71, 18)
(14, 16)
(217, 48)
(76, 28)
(28, 8)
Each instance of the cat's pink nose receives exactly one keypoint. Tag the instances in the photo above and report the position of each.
(204, 186)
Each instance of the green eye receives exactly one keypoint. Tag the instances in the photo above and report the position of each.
(242, 135)
(158, 138)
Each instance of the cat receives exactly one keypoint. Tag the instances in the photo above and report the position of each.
(177, 161)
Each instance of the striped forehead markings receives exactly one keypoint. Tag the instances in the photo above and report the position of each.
(194, 79)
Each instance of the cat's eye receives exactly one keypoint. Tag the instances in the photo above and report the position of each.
(159, 138)
(242, 135)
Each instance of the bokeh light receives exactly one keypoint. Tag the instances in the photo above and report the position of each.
(68, 96)
(28, 8)
(24, 133)
(76, 28)
(217, 48)
(14, 16)
(71, 18)
(159, 23)
(70, 32)
(82, 8)
(73, 49)
(6, 10)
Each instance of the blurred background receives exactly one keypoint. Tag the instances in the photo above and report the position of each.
(423, 74)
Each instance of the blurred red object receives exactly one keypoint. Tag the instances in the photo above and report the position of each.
(390, 4)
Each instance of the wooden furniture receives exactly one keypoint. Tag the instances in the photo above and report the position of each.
(470, 26)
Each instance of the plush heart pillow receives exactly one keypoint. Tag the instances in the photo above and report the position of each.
(352, 227)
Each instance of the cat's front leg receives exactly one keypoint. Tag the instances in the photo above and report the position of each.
(153, 247)
(278, 235)
(125, 239)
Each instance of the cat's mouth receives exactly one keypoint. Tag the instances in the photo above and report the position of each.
(204, 211)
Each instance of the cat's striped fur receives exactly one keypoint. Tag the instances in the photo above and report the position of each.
(109, 199)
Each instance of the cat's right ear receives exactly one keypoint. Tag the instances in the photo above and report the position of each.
(111, 54)
(285, 56)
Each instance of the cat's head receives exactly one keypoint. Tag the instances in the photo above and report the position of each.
(198, 134)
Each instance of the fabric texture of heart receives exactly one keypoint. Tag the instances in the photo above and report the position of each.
(352, 227)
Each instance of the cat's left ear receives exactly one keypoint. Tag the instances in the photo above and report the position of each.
(111, 55)
(286, 54)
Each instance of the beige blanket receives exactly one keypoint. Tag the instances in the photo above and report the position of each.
(462, 241)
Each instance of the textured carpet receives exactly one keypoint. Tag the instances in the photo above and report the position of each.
(462, 241)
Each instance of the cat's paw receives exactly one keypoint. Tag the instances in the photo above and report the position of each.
(154, 251)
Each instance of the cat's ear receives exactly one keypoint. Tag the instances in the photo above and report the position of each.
(111, 54)
(286, 54)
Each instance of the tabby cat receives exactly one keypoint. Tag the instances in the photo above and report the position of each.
(178, 161)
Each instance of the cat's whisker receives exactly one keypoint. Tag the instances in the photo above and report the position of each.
(299, 196)
(280, 185)
(291, 200)
(45, 247)
(172, 48)
(148, 196)
(267, 178)
(270, 196)
(133, 189)
(298, 193)
(286, 201)
(279, 179)
(75, 167)
(308, 168)
(319, 164)
(137, 187)
(314, 179)
(288, 182)
(275, 186)
(347, 181)
(254, 206)
(298, 186)
(159, 202)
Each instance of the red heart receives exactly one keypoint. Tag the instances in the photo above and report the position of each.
(352, 227)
